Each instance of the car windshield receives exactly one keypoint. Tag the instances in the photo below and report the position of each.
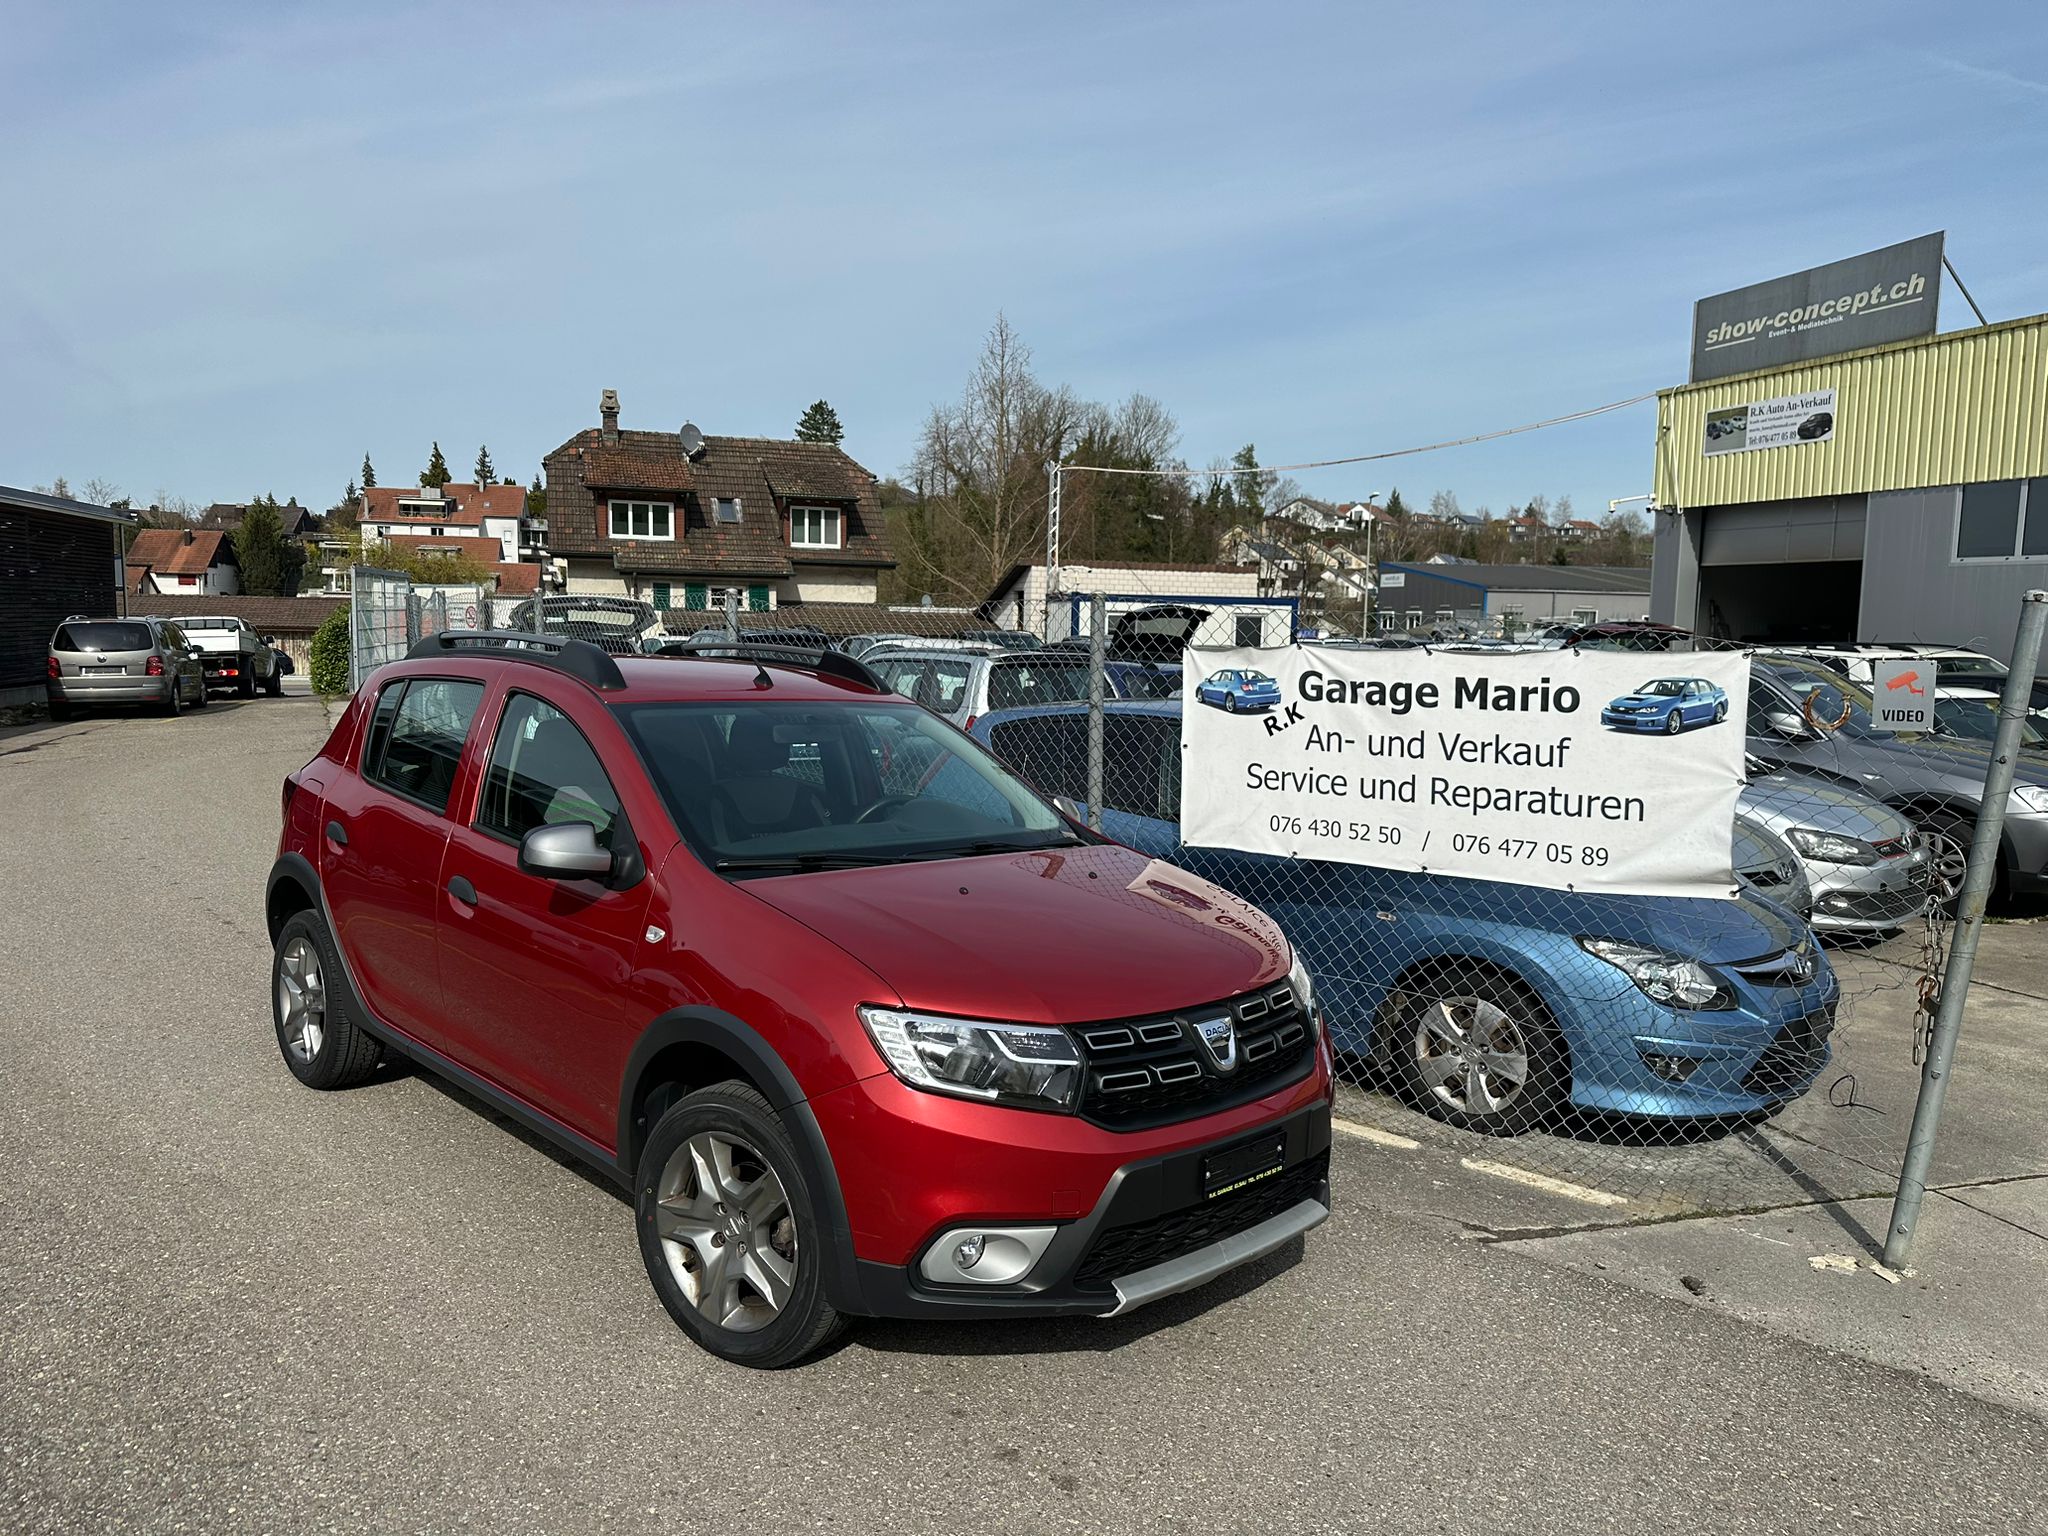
(1663, 687)
(1961, 669)
(762, 788)
(1977, 720)
(113, 635)
(1828, 702)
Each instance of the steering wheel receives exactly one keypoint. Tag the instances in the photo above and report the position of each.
(887, 802)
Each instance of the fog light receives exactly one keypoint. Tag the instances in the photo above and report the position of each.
(1673, 1069)
(984, 1255)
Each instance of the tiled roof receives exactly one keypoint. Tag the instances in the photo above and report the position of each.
(463, 503)
(489, 551)
(764, 475)
(297, 520)
(179, 551)
(267, 615)
(517, 580)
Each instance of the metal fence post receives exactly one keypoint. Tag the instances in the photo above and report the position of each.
(1097, 653)
(1962, 954)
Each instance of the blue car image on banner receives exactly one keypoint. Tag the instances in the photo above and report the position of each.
(1667, 705)
(1238, 691)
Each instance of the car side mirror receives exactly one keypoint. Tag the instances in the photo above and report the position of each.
(1070, 808)
(1785, 723)
(268, 639)
(565, 851)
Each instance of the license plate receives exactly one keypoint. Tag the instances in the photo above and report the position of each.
(103, 671)
(1226, 1172)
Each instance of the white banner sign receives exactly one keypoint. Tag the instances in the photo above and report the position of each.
(1588, 770)
(1774, 423)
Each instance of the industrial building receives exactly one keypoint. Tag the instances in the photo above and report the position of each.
(1896, 492)
(1470, 597)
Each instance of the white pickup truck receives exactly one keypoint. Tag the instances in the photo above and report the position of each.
(234, 655)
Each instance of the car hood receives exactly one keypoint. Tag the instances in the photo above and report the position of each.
(1781, 801)
(1059, 936)
(1646, 698)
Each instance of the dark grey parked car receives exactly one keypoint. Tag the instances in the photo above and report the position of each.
(1805, 716)
(98, 662)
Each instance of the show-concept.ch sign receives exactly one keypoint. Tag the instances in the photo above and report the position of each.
(1582, 770)
(1880, 296)
(1780, 422)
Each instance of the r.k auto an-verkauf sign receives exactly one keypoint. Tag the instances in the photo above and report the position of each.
(1880, 296)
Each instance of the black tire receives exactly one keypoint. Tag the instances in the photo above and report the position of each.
(806, 1320)
(1453, 988)
(1230, 703)
(274, 684)
(1674, 723)
(61, 710)
(200, 697)
(344, 1053)
(245, 684)
(1720, 712)
(172, 705)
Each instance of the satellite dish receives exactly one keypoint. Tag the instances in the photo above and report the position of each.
(691, 439)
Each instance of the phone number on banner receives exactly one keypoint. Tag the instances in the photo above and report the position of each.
(1387, 835)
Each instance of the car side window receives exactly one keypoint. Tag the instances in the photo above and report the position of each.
(423, 742)
(1134, 774)
(543, 773)
(1048, 751)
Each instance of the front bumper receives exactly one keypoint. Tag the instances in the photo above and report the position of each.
(1868, 898)
(2026, 840)
(1151, 1234)
(1631, 722)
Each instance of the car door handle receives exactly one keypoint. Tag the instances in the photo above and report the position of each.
(337, 834)
(462, 890)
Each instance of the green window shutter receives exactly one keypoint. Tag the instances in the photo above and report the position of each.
(757, 599)
(694, 595)
(661, 596)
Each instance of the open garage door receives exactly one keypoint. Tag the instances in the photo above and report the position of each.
(1782, 571)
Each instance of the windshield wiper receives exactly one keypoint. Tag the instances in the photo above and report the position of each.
(992, 845)
(796, 863)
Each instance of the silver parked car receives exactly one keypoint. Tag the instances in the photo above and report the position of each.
(1766, 866)
(96, 662)
(1864, 862)
(963, 685)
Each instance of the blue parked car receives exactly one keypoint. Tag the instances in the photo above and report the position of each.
(1238, 691)
(1668, 704)
(1497, 1006)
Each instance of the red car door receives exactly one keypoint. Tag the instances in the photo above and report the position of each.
(539, 973)
(383, 834)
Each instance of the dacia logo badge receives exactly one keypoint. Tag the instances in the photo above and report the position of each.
(1219, 1035)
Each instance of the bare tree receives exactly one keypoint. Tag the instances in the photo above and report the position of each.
(102, 493)
(1443, 504)
(984, 464)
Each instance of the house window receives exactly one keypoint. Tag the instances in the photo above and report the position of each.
(1414, 617)
(2003, 520)
(757, 599)
(1250, 629)
(725, 509)
(661, 596)
(694, 595)
(814, 527)
(642, 520)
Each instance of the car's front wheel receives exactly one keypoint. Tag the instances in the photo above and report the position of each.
(321, 1043)
(1674, 723)
(1479, 1051)
(728, 1230)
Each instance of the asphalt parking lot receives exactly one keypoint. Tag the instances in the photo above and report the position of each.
(229, 1304)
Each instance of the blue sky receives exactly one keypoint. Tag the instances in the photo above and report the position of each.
(248, 243)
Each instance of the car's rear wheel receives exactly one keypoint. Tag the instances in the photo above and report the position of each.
(172, 703)
(60, 710)
(1720, 712)
(245, 685)
(728, 1230)
(1674, 723)
(199, 694)
(1230, 703)
(274, 684)
(322, 1044)
(1479, 1051)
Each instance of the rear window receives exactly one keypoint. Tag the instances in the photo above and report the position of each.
(109, 635)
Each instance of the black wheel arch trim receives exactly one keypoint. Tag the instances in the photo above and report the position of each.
(735, 1038)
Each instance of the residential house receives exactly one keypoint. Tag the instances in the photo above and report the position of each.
(1329, 517)
(1239, 611)
(298, 522)
(512, 577)
(458, 509)
(680, 519)
(58, 557)
(183, 562)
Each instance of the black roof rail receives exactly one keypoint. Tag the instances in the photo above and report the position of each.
(821, 659)
(578, 658)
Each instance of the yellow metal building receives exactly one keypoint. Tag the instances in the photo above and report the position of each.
(1911, 506)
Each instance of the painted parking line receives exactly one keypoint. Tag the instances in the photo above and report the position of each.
(1373, 1134)
(1544, 1182)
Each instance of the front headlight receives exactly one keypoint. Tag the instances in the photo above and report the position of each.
(1831, 847)
(1026, 1065)
(2030, 797)
(1304, 991)
(1662, 976)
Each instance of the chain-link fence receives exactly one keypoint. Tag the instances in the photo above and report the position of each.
(1652, 1055)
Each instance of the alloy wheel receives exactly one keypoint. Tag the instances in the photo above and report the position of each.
(727, 1230)
(301, 999)
(1473, 1056)
(1948, 861)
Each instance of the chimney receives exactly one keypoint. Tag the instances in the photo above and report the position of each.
(188, 536)
(608, 413)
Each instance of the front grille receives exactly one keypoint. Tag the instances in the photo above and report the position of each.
(1897, 847)
(1790, 1061)
(1793, 967)
(1152, 1071)
(1120, 1251)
